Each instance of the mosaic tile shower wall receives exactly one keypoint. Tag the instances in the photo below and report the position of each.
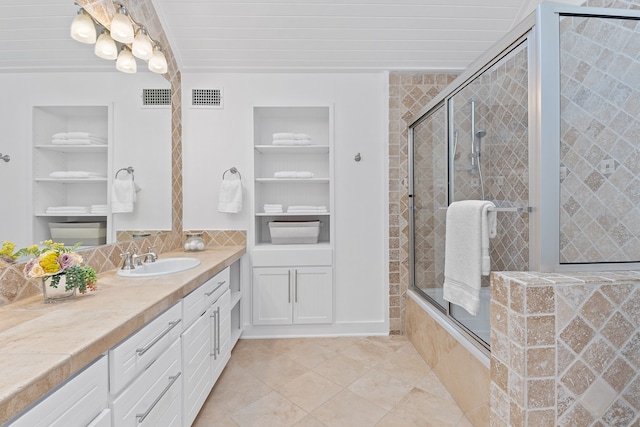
(500, 97)
(600, 155)
(430, 198)
(408, 94)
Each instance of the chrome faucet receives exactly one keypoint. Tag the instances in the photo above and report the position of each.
(128, 263)
(132, 259)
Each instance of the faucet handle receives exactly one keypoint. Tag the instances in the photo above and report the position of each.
(150, 256)
(128, 263)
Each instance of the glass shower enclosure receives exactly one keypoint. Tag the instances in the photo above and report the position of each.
(545, 125)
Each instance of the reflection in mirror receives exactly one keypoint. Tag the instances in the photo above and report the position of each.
(43, 171)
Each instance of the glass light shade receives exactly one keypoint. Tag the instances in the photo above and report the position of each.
(83, 28)
(126, 62)
(105, 47)
(158, 62)
(121, 27)
(142, 47)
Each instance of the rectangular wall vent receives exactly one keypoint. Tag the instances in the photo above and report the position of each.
(155, 97)
(206, 98)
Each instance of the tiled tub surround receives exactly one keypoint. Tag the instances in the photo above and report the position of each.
(464, 372)
(44, 344)
(565, 349)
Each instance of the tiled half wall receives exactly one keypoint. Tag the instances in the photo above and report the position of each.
(565, 349)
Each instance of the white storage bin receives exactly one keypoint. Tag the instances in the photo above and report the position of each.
(87, 233)
(294, 232)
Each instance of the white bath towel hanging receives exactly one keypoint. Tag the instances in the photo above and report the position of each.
(470, 224)
(123, 195)
(230, 200)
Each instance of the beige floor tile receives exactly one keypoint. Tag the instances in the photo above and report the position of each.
(309, 421)
(347, 409)
(381, 388)
(309, 354)
(276, 370)
(309, 390)
(300, 382)
(235, 389)
(270, 411)
(422, 408)
(367, 352)
(431, 384)
(342, 370)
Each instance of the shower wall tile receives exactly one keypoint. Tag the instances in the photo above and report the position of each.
(600, 94)
(408, 94)
(580, 361)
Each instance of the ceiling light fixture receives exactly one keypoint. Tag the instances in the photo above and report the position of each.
(83, 29)
(121, 26)
(106, 47)
(142, 47)
(158, 62)
(123, 39)
(126, 62)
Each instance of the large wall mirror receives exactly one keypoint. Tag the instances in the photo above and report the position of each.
(45, 76)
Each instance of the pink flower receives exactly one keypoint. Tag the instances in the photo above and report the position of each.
(66, 260)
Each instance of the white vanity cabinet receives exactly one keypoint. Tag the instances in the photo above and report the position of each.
(292, 295)
(81, 401)
(207, 314)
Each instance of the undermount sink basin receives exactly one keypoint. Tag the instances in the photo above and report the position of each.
(161, 267)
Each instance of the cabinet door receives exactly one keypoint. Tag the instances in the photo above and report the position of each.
(221, 335)
(76, 403)
(196, 368)
(313, 295)
(272, 299)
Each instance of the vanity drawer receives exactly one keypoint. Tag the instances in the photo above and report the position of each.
(155, 397)
(128, 359)
(198, 301)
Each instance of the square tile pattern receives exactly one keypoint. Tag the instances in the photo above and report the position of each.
(316, 382)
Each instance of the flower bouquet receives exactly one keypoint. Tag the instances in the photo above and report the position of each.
(61, 267)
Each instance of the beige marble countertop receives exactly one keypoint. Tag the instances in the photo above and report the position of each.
(42, 345)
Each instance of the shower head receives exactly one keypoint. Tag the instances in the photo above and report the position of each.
(481, 133)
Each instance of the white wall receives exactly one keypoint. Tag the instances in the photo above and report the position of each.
(142, 139)
(215, 140)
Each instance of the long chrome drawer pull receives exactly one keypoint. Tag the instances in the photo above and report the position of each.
(173, 379)
(218, 330)
(219, 284)
(215, 322)
(146, 348)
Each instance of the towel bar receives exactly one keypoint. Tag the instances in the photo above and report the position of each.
(233, 170)
(519, 209)
(129, 170)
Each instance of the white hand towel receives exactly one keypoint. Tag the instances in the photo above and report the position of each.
(284, 135)
(469, 226)
(123, 195)
(230, 196)
(287, 142)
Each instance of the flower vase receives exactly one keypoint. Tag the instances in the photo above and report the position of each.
(58, 293)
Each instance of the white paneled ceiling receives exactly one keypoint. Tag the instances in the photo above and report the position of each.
(277, 35)
(262, 35)
(34, 36)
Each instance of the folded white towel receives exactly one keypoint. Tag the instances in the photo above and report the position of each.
(284, 135)
(293, 174)
(230, 199)
(123, 195)
(62, 210)
(291, 142)
(301, 136)
(272, 205)
(75, 175)
(78, 141)
(72, 135)
(469, 225)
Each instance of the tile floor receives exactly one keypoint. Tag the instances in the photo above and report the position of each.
(315, 382)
